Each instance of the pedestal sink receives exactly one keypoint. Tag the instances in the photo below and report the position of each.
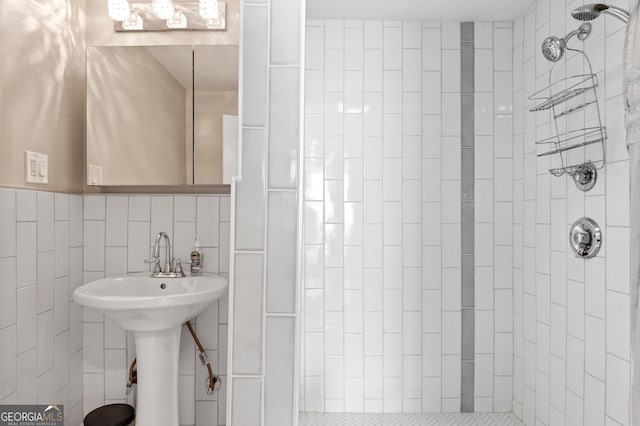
(154, 309)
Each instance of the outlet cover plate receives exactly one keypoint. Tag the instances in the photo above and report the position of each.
(37, 167)
(95, 175)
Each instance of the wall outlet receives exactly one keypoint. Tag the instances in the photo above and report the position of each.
(37, 167)
(95, 175)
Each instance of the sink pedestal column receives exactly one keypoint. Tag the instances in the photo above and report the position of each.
(157, 365)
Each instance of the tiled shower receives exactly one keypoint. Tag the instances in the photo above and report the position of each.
(550, 331)
(571, 316)
(390, 184)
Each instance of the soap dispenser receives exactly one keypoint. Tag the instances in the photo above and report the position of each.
(196, 258)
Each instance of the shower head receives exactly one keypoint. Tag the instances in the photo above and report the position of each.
(589, 12)
(553, 47)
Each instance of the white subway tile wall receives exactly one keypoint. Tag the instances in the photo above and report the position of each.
(119, 234)
(493, 216)
(40, 327)
(570, 316)
(382, 271)
(264, 298)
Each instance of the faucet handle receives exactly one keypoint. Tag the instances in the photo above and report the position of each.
(156, 264)
(179, 263)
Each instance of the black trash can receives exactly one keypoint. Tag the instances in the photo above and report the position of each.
(111, 415)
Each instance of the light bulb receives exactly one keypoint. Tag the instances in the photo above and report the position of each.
(163, 9)
(209, 9)
(119, 10)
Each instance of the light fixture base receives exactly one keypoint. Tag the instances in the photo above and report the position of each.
(190, 11)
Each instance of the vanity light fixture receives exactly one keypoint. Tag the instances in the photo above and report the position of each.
(165, 15)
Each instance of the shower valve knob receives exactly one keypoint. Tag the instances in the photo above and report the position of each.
(585, 238)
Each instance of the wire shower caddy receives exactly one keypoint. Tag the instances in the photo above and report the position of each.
(579, 151)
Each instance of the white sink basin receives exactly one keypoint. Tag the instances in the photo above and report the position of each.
(154, 309)
(142, 303)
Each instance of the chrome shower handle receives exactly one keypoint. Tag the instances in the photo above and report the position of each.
(585, 238)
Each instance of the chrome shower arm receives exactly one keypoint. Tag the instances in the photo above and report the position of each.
(569, 36)
(582, 32)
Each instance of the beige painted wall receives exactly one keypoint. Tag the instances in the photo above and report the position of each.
(42, 90)
(135, 118)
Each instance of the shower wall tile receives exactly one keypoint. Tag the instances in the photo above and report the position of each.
(569, 322)
(451, 70)
(373, 276)
(285, 20)
(281, 268)
(283, 132)
(493, 218)
(389, 180)
(451, 114)
(484, 68)
(269, 186)
(482, 35)
(616, 396)
(279, 378)
(249, 391)
(314, 94)
(255, 79)
(121, 239)
(251, 192)
(248, 288)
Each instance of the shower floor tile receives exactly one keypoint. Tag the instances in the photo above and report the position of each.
(427, 419)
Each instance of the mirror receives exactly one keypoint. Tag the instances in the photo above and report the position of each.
(161, 115)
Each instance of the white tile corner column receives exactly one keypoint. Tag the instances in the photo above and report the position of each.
(263, 296)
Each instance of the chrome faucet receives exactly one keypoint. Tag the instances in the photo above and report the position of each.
(171, 269)
(168, 260)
